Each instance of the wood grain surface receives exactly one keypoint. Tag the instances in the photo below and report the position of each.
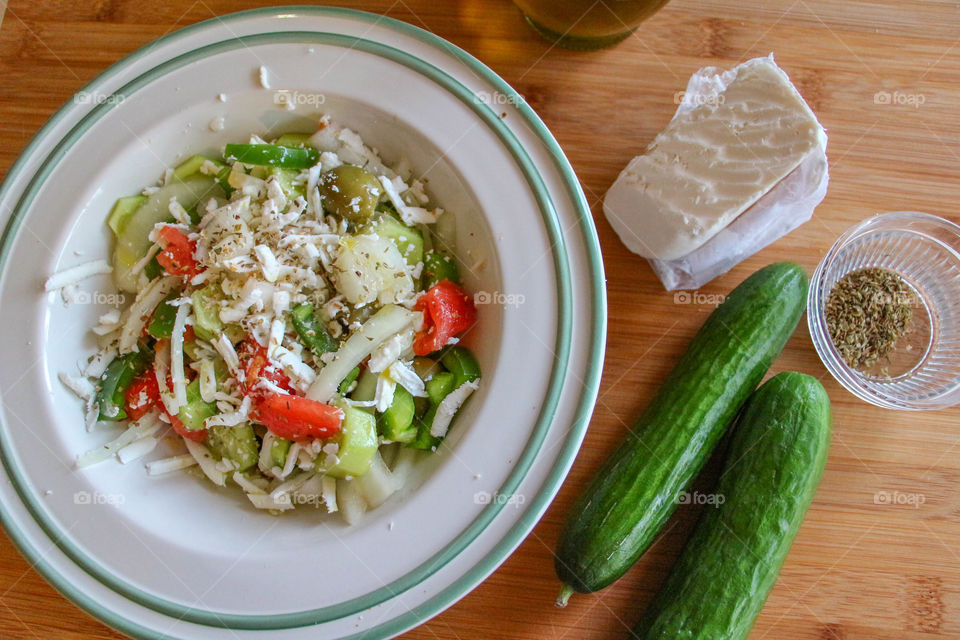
(858, 570)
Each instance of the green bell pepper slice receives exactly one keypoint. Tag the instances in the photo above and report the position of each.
(273, 155)
(396, 423)
(311, 330)
(462, 364)
(111, 397)
(438, 267)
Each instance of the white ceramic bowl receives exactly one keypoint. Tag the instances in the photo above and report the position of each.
(176, 557)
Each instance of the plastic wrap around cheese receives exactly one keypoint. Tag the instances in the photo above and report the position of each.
(742, 163)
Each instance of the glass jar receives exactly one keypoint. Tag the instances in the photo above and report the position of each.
(587, 24)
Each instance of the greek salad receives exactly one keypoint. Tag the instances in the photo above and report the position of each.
(294, 323)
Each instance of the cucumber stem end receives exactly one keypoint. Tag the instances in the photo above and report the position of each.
(565, 592)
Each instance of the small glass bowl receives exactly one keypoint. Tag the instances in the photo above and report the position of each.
(923, 370)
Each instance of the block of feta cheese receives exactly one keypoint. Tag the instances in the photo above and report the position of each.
(743, 148)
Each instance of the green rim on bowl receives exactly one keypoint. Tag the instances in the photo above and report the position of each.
(589, 384)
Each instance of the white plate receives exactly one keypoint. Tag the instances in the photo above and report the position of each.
(176, 557)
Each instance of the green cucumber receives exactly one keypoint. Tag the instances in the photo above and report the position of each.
(408, 240)
(633, 494)
(724, 574)
(279, 450)
(285, 178)
(238, 444)
(123, 210)
(191, 166)
(194, 414)
(206, 313)
(358, 445)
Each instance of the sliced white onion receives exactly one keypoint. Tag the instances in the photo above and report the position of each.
(246, 485)
(208, 380)
(206, 461)
(351, 503)
(378, 484)
(404, 465)
(329, 494)
(386, 322)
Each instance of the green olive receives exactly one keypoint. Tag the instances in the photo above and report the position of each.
(350, 192)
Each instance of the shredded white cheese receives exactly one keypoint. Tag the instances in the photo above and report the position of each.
(230, 418)
(403, 374)
(208, 380)
(137, 449)
(449, 406)
(385, 389)
(167, 465)
(138, 313)
(206, 461)
(76, 274)
(80, 386)
(225, 348)
(176, 353)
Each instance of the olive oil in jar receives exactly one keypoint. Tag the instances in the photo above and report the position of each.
(587, 24)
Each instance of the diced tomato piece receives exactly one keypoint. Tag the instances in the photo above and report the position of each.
(256, 365)
(143, 395)
(189, 335)
(176, 258)
(181, 430)
(447, 311)
(297, 418)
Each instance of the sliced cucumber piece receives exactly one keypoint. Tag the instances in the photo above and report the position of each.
(358, 444)
(208, 323)
(407, 239)
(123, 210)
(191, 166)
(238, 444)
(196, 411)
(279, 450)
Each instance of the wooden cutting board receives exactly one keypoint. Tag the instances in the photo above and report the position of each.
(858, 570)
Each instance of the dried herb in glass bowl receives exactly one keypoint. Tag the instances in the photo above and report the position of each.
(867, 311)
